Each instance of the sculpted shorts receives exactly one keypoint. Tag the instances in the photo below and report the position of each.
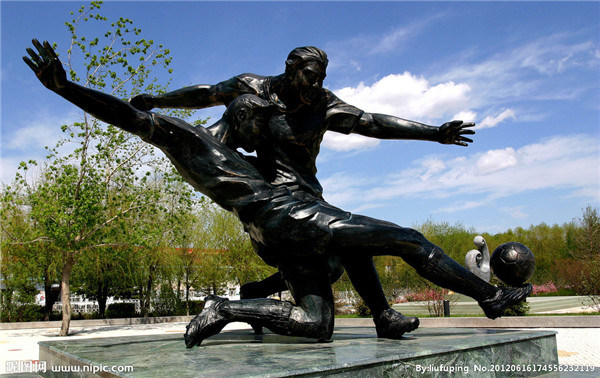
(292, 227)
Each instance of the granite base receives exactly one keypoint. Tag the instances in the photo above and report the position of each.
(354, 351)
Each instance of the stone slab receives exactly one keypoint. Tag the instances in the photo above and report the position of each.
(571, 321)
(354, 351)
(583, 321)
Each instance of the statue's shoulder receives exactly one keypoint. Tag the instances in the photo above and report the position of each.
(252, 83)
(251, 78)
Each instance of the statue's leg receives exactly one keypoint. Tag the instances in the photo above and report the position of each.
(275, 284)
(262, 289)
(311, 317)
(364, 236)
(388, 322)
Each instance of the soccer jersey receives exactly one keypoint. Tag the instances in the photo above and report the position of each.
(295, 137)
(283, 224)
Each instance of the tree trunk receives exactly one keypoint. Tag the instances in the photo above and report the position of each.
(102, 297)
(149, 284)
(50, 294)
(187, 299)
(66, 295)
(142, 297)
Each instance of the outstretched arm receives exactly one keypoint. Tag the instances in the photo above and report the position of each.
(194, 97)
(49, 70)
(383, 126)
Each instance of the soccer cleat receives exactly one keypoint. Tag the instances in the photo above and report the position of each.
(392, 324)
(207, 323)
(506, 296)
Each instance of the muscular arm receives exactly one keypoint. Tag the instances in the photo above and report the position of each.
(383, 126)
(194, 97)
(47, 67)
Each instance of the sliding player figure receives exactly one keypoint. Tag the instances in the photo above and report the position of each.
(309, 230)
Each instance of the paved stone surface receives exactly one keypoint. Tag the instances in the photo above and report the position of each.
(576, 346)
(354, 351)
(463, 305)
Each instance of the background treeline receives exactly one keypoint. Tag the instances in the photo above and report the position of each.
(567, 256)
(105, 216)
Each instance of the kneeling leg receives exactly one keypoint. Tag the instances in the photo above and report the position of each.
(312, 316)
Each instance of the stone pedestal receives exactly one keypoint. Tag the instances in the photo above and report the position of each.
(354, 351)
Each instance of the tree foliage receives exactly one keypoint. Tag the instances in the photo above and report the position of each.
(91, 184)
(107, 216)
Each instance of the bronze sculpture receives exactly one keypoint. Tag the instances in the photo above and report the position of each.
(276, 195)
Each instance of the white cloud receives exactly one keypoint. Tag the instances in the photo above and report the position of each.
(466, 116)
(40, 130)
(515, 212)
(461, 205)
(408, 96)
(496, 160)
(493, 121)
(523, 71)
(340, 142)
(562, 162)
(432, 166)
(343, 188)
(27, 138)
(390, 41)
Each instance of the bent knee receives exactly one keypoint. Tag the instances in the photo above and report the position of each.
(315, 315)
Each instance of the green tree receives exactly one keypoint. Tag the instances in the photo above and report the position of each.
(582, 270)
(238, 261)
(28, 258)
(89, 192)
(587, 236)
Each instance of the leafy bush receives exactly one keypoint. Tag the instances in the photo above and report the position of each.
(433, 298)
(518, 309)
(23, 313)
(120, 310)
(361, 309)
(181, 310)
(546, 288)
(166, 302)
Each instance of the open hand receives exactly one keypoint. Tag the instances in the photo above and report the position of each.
(452, 133)
(46, 66)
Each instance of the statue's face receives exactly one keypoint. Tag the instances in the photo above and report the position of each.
(250, 122)
(307, 81)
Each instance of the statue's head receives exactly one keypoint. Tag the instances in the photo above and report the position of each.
(305, 70)
(247, 117)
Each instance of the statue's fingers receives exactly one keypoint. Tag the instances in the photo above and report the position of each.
(468, 124)
(30, 64)
(463, 139)
(467, 132)
(35, 57)
(49, 50)
(40, 48)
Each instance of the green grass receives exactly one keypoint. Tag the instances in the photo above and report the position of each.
(559, 293)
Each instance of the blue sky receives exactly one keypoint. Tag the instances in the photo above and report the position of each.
(527, 72)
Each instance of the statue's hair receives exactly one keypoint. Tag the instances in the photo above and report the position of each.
(246, 100)
(305, 54)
